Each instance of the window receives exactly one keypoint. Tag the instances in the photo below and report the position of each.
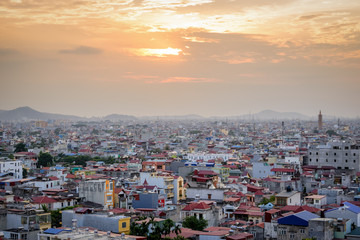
(354, 154)
(111, 186)
(354, 161)
(346, 154)
(334, 160)
(317, 153)
(334, 154)
(292, 236)
(310, 159)
(346, 160)
(302, 231)
(326, 160)
(327, 154)
(209, 196)
(123, 225)
(201, 216)
(310, 153)
(14, 236)
(23, 220)
(317, 160)
(109, 198)
(24, 236)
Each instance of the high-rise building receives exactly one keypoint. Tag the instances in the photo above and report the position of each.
(320, 121)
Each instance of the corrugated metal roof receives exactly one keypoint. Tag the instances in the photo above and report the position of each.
(53, 231)
(298, 219)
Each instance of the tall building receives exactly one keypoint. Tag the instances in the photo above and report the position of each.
(98, 191)
(340, 155)
(320, 121)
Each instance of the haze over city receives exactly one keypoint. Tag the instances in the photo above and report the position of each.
(213, 58)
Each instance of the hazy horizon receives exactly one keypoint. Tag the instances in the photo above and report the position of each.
(250, 114)
(179, 57)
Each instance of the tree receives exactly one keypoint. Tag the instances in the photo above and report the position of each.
(139, 229)
(179, 237)
(20, 147)
(25, 173)
(331, 132)
(194, 223)
(168, 225)
(267, 200)
(44, 207)
(45, 160)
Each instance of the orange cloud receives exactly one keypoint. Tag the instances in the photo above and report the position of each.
(188, 80)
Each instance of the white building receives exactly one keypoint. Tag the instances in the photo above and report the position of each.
(11, 166)
(348, 211)
(46, 183)
(208, 156)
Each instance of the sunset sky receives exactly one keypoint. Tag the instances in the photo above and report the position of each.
(172, 57)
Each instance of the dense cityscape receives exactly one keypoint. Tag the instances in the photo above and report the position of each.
(180, 179)
(179, 119)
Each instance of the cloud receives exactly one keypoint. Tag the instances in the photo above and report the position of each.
(82, 50)
(188, 80)
(309, 17)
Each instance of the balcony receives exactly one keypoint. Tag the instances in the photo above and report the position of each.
(168, 179)
(170, 195)
(169, 186)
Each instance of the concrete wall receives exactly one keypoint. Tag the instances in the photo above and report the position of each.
(146, 200)
(216, 194)
(101, 222)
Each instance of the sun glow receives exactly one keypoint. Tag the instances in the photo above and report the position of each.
(164, 52)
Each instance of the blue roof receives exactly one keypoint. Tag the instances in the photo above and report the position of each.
(352, 207)
(53, 231)
(298, 219)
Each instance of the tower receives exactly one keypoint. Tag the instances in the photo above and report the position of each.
(320, 121)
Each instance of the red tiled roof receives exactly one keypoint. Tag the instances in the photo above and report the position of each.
(53, 178)
(240, 236)
(43, 200)
(193, 206)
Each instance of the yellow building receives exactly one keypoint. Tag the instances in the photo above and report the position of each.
(179, 189)
(98, 191)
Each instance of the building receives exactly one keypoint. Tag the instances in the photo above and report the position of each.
(321, 228)
(203, 210)
(100, 221)
(288, 197)
(27, 219)
(146, 200)
(348, 211)
(163, 182)
(341, 155)
(320, 121)
(98, 191)
(12, 167)
(295, 225)
(82, 234)
(316, 201)
(179, 189)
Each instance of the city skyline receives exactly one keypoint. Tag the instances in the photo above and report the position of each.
(212, 58)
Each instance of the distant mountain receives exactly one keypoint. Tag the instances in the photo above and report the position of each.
(174, 117)
(273, 115)
(27, 113)
(119, 117)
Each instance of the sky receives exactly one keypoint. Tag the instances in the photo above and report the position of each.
(174, 57)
